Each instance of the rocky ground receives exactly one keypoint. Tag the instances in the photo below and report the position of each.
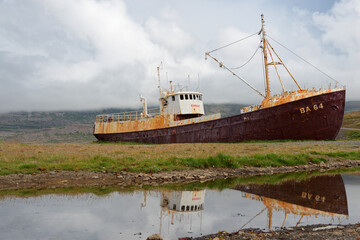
(56, 179)
(318, 232)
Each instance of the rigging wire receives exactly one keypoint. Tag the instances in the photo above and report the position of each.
(305, 60)
(249, 59)
(233, 42)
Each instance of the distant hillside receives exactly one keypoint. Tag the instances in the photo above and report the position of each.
(225, 109)
(352, 106)
(19, 121)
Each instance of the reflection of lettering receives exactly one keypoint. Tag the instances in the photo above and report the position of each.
(195, 105)
(196, 194)
(308, 109)
(309, 196)
(317, 198)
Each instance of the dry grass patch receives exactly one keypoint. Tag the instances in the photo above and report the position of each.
(351, 120)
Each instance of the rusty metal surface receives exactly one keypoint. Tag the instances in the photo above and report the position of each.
(108, 127)
(308, 197)
(301, 119)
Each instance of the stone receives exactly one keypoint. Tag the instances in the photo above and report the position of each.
(155, 237)
(337, 233)
(324, 228)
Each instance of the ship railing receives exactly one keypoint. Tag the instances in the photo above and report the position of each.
(127, 116)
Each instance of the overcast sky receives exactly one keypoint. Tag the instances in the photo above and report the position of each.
(92, 54)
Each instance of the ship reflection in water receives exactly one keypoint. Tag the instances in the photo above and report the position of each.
(320, 195)
(324, 199)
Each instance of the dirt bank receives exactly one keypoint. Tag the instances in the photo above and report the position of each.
(318, 232)
(57, 179)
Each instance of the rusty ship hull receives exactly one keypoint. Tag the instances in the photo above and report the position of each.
(318, 117)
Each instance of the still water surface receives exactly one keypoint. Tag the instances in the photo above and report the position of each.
(327, 199)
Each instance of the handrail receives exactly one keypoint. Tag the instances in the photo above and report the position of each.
(127, 116)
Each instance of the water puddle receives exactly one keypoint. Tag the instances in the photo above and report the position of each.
(267, 202)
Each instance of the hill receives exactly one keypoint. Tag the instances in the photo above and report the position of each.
(352, 106)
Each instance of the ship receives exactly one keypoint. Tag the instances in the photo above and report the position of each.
(298, 115)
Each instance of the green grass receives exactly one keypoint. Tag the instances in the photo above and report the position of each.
(354, 135)
(110, 164)
(115, 157)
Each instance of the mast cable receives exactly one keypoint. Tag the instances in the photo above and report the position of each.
(304, 60)
(233, 42)
(249, 59)
(236, 75)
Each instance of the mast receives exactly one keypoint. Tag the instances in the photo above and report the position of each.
(158, 72)
(265, 56)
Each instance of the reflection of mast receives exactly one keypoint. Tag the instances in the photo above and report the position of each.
(145, 198)
(305, 198)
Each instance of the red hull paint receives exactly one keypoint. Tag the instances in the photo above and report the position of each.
(280, 122)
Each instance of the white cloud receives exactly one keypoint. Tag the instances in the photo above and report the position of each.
(91, 54)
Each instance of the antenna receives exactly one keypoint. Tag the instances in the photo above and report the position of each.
(198, 88)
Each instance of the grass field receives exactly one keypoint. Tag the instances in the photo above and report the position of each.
(111, 157)
(352, 120)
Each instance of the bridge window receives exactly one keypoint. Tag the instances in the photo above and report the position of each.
(200, 97)
(173, 98)
(182, 208)
(174, 207)
(186, 97)
(191, 96)
(181, 97)
(194, 97)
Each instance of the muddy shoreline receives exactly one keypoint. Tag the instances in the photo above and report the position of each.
(338, 232)
(61, 179)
